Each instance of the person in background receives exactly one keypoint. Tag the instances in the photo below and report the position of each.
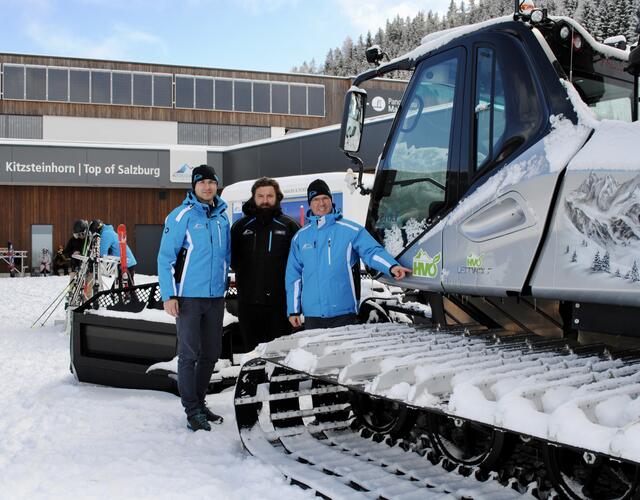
(110, 245)
(60, 262)
(260, 244)
(318, 278)
(77, 245)
(193, 263)
(45, 262)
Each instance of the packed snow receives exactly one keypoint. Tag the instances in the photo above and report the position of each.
(65, 439)
(591, 402)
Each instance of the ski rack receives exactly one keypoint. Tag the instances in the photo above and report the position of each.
(6, 256)
(132, 299)
(117, 351)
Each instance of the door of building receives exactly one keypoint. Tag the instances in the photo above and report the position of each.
(147, 245)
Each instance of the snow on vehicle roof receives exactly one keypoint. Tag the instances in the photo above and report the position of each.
(611, 147)
(438, 39)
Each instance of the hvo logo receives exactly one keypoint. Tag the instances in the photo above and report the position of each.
(475, 261)
(424, 265)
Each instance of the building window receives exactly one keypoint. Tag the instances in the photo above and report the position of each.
(162, 91)
(121, 88)
(36, 83)
(315, 101)
(242, 95)
(298, 96)
(142, 90)
(204, 93)
(279, 98)
(13, 82)
(261, 97)
(58, 84)
(125, 88)
(101, 87)
(184, 91)
(79, 86)
(224, 95)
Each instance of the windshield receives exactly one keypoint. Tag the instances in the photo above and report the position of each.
(415, 169)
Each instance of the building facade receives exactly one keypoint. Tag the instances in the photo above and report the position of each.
(116, 140)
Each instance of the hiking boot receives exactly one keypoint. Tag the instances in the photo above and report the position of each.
(210, 416)
(197, 422)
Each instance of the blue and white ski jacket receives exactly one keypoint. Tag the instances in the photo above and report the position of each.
(318, 279)
(109, 245)
(195, 250)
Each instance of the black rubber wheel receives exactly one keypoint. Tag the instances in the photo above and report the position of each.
(464, 442)
(602, 479)
(372, 312)
(382, 416)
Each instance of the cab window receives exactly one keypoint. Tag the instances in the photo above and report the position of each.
(488, 106)
(415, 168)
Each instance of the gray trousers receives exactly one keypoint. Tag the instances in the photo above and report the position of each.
(199, 325)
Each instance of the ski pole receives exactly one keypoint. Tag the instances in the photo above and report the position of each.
(56, 301)
(53, 309)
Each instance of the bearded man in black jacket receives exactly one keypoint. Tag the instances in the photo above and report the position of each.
(260, 244)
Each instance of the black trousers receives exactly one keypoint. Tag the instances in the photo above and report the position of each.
(260, 323)
(312, 322)
(199, 326)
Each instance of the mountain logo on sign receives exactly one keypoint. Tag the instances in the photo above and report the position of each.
(185, 168)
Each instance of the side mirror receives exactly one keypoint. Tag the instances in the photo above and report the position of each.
(353, 120)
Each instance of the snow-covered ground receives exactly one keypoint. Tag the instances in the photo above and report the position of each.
(63, 439)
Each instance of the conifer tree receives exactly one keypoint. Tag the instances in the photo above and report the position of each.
(597, 263)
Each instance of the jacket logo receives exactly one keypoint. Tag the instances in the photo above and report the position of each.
(246, 232)
(279, 232)
(198, 226)
(307, 246)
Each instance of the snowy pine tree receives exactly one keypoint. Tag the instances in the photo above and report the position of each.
(574, 257)
(601, 18)
(605, 263)
(617, 274)
(596, 266)
(634, 275)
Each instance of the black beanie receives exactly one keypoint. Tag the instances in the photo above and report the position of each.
(316, 188)
(203, 172)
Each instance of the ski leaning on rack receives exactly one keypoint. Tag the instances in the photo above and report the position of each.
(81, 289)
(124, 270)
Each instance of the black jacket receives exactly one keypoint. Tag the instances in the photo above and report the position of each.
(259, 249)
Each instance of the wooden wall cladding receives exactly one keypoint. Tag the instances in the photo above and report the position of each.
(23, 206)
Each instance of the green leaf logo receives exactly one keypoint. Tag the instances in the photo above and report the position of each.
(425, 266)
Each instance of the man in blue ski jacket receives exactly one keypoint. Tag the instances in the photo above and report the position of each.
(110, 245)
(318, 279)
(193, 262)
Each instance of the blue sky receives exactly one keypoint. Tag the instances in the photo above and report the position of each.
(260, 35)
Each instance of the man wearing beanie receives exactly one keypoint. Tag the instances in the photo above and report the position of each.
(259, 248)
(318, 278)
(193, 262)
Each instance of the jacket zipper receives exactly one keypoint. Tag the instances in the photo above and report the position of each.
(210, 262)
(270, 235)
